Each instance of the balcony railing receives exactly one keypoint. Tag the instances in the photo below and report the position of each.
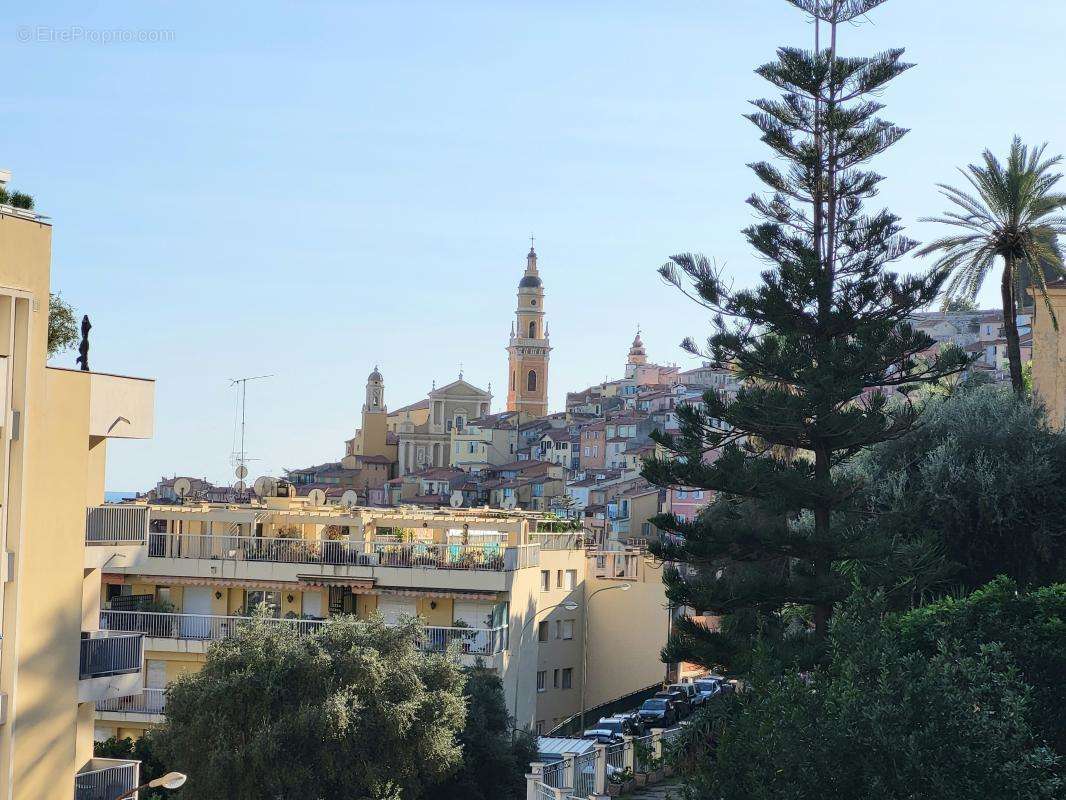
(205, 627)
(106, 779)
(148, 702)
(107, 653)
(486, 557)
(111, 524)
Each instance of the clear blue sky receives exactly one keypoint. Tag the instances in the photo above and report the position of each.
(308, 189)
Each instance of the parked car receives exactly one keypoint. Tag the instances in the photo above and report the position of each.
(631, 724)
(707, 687)
(658, 712)
(635, 722)
(694, 699)
(610, 729)
(679, 699)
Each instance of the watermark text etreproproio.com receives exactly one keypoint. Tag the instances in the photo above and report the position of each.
(72, 34)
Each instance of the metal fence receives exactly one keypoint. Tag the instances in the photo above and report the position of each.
(149, 701)
(112, 654)
(559, 541)
(109, 779)
(116, 523)
(490, 556)
(207, 627)
(643, 752)
(584, 775)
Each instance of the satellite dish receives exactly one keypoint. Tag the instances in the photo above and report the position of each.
(509, 503)
(182, 487)
(265, 486)
(316, 497)
(456, 499)
(350, 498)
(241, 472)
(350, 462)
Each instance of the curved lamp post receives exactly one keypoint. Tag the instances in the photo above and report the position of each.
(569, 605)
(623, 587)
(172, 780)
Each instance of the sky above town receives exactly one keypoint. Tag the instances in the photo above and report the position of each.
(308, 189)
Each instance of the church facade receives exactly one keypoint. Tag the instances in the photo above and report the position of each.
(528, 349)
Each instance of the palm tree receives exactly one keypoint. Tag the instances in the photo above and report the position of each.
(1015, 216)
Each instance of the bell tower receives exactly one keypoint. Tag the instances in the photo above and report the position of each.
(375, 417)
(528, 349)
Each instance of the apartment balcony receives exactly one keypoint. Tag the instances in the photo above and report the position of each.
(478, 567)
(111, 665)
(148, 706)
(114, 533)
(106, 779)
(194, 632)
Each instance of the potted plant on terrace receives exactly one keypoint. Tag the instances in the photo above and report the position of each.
(619, 782)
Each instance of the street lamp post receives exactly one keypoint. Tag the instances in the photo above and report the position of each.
(172, 780)
(585, 645)
(569, 605)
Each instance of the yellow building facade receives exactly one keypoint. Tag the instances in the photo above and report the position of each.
(489, 584)
(55, 662)
(1049, 355)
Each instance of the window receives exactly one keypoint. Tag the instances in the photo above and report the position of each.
(256, 597)
(540, 727)
(542, 680)
(587, 453)
(559, 579)
(542, 631)
(532, 330)
(531, 381)
(555, 679)
(567, 630)
(568, 678)
(571, 579)
(545, 580)
(512, 381)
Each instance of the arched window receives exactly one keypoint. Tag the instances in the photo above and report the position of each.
(531, 381)
(532, 329)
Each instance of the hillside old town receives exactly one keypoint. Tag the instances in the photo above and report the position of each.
(817, 550)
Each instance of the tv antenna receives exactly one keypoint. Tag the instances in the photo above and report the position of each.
(240, 458)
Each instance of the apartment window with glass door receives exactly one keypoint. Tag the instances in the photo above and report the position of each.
(555, 678)
(257, 597)
(542, 680)
(568, 678)
(571, 579)
(558, 579)
(567, 628)
(545, 580)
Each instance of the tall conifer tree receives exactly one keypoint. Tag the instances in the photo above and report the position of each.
(821, 345)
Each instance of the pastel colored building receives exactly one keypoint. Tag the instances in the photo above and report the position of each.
(486, 583)
(55, 660)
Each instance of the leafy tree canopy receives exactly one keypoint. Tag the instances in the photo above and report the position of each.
(62, 325)
(352, 710)
(981, 483)
(494, 762)
(880, 722)
(1031, 626)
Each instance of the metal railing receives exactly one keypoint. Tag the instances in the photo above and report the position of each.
(643, 752)
(207, 627)
(559, 541)
(149, 701)
(110, 654)
(109, 524)
(490, 556)
(584, 775)
(107, 779)
(616, 757)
